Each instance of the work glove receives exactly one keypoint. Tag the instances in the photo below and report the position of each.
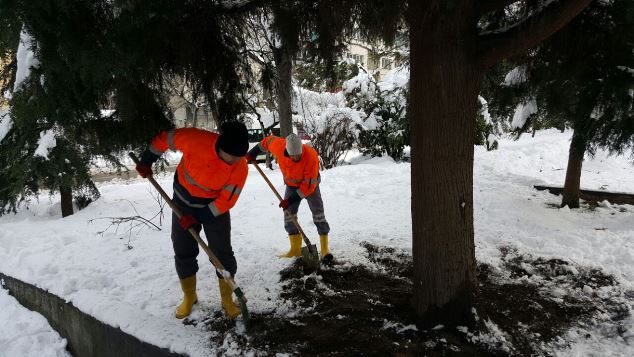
(249, 157)
(144, 170)
(290, 200)
(187, 221)
(284, 204)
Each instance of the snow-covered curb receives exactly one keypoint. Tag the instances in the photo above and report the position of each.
(86, 335)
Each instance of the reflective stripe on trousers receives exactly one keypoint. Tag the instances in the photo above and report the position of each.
(316, 205)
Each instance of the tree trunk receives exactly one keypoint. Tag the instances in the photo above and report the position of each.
(194, 116)
(444, 85)
(572, 185)
(215, 114)
(284, 64)
(66, 194)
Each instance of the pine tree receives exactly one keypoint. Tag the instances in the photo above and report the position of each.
(97, 55)
(105, 50)
(583, 78)
(453, 43)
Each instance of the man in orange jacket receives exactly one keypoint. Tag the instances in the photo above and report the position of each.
(207, 184)
(299, 164)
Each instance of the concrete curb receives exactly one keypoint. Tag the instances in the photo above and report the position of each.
(86, 335)
(618, 198)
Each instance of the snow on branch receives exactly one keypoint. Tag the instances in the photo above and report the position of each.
(485, 6)
(6, 123)
(26, 59)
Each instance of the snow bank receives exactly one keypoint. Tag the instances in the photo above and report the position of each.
(26, 333)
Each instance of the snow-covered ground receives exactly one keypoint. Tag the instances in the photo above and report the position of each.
(137, 289)
(26, 333)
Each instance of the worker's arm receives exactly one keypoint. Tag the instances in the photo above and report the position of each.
(231, 190)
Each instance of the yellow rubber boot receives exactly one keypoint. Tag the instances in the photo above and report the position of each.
(188, 285)
(323, 242)
(296, 247)
(228, 305)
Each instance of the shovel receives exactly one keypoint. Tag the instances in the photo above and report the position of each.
(242, 300)
(310, 256)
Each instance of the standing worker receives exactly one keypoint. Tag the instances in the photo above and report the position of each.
(299, 164)
(207, 184)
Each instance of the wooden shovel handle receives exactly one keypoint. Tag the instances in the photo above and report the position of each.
(214, 260)
(279, 197)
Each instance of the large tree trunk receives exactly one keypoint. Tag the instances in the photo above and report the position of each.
(66, 194)
(572, 185)
(444, 85)
(284, 64)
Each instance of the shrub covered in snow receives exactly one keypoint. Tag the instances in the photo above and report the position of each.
(331, 126)
(385, 128)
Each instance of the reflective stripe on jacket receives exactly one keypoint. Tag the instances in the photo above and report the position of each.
(201, 172)
(303, 174)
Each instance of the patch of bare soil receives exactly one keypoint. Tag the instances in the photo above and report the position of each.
(521, 308)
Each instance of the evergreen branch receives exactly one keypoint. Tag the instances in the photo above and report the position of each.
(498, 45)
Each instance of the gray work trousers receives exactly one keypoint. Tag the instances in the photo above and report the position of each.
(218, 234)
(316, 205)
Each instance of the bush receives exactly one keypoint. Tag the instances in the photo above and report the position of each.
(332, 134)
(386, 129)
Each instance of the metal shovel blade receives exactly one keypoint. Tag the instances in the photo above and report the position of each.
(242, 301)
(310, 257)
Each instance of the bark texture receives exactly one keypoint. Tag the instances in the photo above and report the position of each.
(284, 64)
(66, 194)
(572, 185)
(444, 85)
(447, 61)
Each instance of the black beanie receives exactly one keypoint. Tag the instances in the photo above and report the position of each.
(234, 139)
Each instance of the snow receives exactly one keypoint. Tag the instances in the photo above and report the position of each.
(6, 123)
(626, 69)
(369, 200)
(315, 109)
(267, 117)
(485, 110)
(362, 81)
(46, 142)
(26, 333)
(395, 78)
(516, 76)
(363, 90)
(522, 112)
(26, 59)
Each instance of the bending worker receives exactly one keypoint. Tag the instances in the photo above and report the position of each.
(299, 164)
(207, 184)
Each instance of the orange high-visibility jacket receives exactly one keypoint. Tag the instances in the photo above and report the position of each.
(201, 172)
(303, 174)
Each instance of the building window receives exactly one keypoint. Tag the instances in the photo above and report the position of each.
(386, 63)
(358, 59)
